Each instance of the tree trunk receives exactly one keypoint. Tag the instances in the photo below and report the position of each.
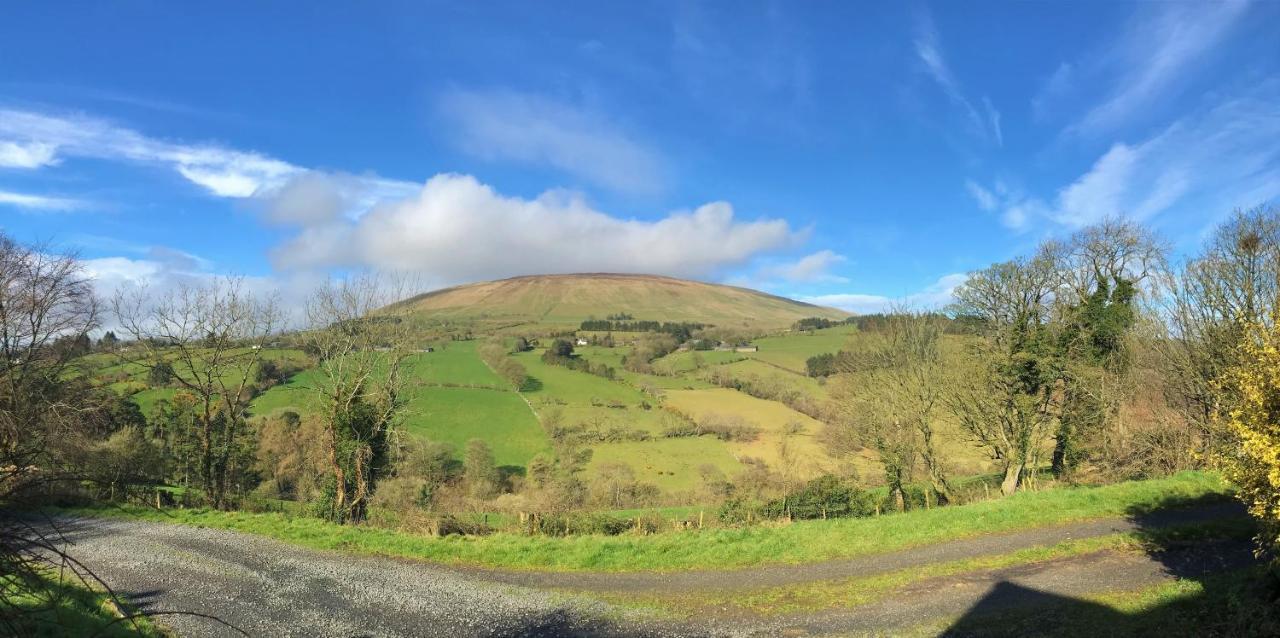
(1012, 478)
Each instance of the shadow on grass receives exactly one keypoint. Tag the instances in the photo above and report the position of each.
(1221, 588)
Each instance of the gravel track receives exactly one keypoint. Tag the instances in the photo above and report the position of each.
(269, 588)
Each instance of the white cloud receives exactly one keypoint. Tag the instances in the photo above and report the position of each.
(39, 202)
(28, 155)
(163, 269)
(457, 229)
(535, 130)
(221, 171)
(1153, 56)
(813, 268)
(935, 296)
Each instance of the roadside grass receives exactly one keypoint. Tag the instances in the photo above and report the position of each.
(67, 608)
(729, 548)
(821, 595)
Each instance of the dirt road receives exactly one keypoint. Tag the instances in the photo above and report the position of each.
(268, 588)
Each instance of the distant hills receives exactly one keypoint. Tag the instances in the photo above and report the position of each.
(569, 299)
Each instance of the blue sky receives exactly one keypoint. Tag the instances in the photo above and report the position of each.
(846, 153)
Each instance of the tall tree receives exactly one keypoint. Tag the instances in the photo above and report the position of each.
(44, 297)
(1234, 283)
(1007, 402)
(1103, 271)
(359, 384)
(208, 339)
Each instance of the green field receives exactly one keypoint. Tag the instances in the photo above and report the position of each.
(748, 368)
(799, 453)
(791, 350)
(454, 363)
(671, 464)
(457, 415)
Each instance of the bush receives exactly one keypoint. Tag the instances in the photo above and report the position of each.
(823, 497)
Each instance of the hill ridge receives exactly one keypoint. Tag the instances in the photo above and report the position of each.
(568, 298)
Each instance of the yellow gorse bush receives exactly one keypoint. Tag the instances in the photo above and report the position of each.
(1253, 422)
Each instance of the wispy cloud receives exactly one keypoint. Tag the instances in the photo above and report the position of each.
(537, 130)
(812, 268)
(1216, 159)
(1154, 55)
(935, 296)
(33, 140)
(985, 198)
(928, 49)
(41, 203)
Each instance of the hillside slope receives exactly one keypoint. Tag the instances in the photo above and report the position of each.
(568, 299)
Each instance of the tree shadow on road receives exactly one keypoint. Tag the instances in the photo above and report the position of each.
(1219, 589)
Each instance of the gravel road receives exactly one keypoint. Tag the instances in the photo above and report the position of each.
(268, 588)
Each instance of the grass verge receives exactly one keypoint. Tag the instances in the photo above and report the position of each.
(812, 596)
(802, 542)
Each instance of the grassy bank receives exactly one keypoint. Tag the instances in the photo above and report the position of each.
(64, 606)
(720, 548)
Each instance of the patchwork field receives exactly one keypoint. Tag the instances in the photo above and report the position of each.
(453, 396)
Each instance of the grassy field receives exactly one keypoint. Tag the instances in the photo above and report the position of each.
(799, 452)
(454, 363)
(801, 542)
(791, 350)
(756, 368)
(671, 464)
(457, 415)
(452, 397)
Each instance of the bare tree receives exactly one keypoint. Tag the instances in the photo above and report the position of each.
(47, 417)
(210, 337)
(891, 402)
(361, 354)
(44, 298)
(1235, 282)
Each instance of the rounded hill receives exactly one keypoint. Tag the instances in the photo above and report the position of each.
(569, 299)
